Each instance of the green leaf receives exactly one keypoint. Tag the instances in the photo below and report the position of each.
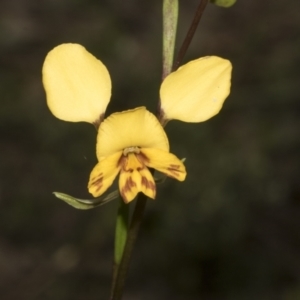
(86, 203)
(223, 3)
(122, 224)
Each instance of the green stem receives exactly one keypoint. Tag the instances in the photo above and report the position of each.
(122, 224)
(136, 220)
(190, 34)
(170, 17)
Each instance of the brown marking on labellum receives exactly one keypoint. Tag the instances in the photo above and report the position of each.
(97, 182)
(149, 184)
(141, 167)
(122, 161)
(143, 159)
(129, 184)
(174, 171)
(176, 167)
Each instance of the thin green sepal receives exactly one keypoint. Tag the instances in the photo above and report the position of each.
(85, 204)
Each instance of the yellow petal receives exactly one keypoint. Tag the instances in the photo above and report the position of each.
(103, 174)
(164, 162)
(197, 90)
(148, 184)
(137, 127)
(134, 178)
(77, 85)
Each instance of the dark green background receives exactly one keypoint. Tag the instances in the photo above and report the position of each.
(230, 231)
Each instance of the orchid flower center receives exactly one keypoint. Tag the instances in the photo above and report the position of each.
(133, 159)
(128, 150)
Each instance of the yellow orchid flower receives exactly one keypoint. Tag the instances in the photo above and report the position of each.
(78, 88)
(129, 142)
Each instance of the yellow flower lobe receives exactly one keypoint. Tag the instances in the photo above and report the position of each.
(164, 162)
(77, 84)
(134, 178)
(196, 91)
(103, 174)
(131, 128)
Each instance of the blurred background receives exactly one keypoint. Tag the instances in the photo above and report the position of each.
(230, 231)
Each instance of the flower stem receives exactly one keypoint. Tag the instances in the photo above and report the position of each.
(119, 281)
(190, 34)
(170, 17)
(122, 225)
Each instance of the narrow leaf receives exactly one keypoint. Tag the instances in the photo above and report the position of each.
(86, 203)
(121, 230)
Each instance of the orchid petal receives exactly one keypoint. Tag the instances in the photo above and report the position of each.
(196, 91)
(132, 128)
(134, 178)
(77, 85)
(103, 174)
(164, 162)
